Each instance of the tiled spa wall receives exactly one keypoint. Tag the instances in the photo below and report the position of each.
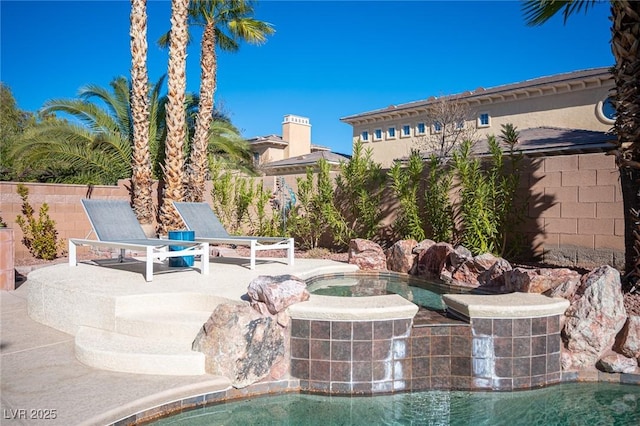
(351, 357)
(368, 357)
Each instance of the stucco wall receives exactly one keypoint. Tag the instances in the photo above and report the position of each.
(564, 108)
(64, 207)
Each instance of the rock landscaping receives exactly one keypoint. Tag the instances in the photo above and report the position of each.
(601, 327)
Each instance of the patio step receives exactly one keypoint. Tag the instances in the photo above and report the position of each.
(132, 354)
(176, 326)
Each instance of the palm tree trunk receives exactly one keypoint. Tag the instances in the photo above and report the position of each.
(198, 161)
(625, 30)
(176, 119)
(141, 177)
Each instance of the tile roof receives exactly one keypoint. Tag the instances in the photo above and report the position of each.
(602, 73)
(547, 141)
(306, 160)
(553, 141)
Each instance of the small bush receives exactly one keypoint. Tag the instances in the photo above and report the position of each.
(39, 234)
(319, 253)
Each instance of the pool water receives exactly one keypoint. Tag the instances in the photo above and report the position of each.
(566, 404)
(422, 293)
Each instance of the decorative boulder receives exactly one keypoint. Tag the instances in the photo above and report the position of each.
(616, 363)
(242, 345)
(432, 261)
(400, 257)
(460, 255)
(273, 294)
(494, 276)
(595, 318)
(466, 274)
(630, 338)
(219, 251)
(566, 290)
(367, 255)
(538, 280)
(422, 246)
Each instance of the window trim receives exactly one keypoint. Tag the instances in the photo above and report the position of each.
(402, 134)
(377, 134)
(479, 120)
(363, 134)
(424, 128)
(395, 132)
(435, 130)
(600, 111)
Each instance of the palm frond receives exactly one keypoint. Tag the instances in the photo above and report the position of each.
(537, 12)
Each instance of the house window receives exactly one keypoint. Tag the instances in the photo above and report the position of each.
(377, 134)
(437, 127)
(460, 125)
(256, 158)
(605, 111)
(484, 120)
(420, 128)
(406, 131)
(365, 136)
(391, 133)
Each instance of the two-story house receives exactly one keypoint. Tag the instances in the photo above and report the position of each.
(551, 105)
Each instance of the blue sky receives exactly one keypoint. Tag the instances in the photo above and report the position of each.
(326, 60)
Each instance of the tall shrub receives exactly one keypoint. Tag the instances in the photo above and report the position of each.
(268, 225)
(39, 233)
(405, 183)
(304, 218)
(438, 207)
(479, 228)
(359, 194)
(488, 206)
(240, 203)
(315, 213)
(510, 210)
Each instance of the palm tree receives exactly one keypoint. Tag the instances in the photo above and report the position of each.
(625, 41)
(95, 148)
(176, 116)
(226, 23)
(141, 179)
(226, 144)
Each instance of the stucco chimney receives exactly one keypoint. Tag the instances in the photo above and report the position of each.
(297, 131)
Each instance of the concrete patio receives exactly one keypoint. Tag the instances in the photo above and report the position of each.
(109, 316)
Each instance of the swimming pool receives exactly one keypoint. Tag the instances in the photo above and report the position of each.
(564, 404)
(427, 294)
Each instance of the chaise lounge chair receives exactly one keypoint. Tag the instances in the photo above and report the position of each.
(116, 226)
(200, 218)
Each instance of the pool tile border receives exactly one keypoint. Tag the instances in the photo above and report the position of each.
(388, 356)
(294, 386)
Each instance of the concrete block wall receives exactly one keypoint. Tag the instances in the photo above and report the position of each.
(64, 208)
(575, 213)
(576, 217)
